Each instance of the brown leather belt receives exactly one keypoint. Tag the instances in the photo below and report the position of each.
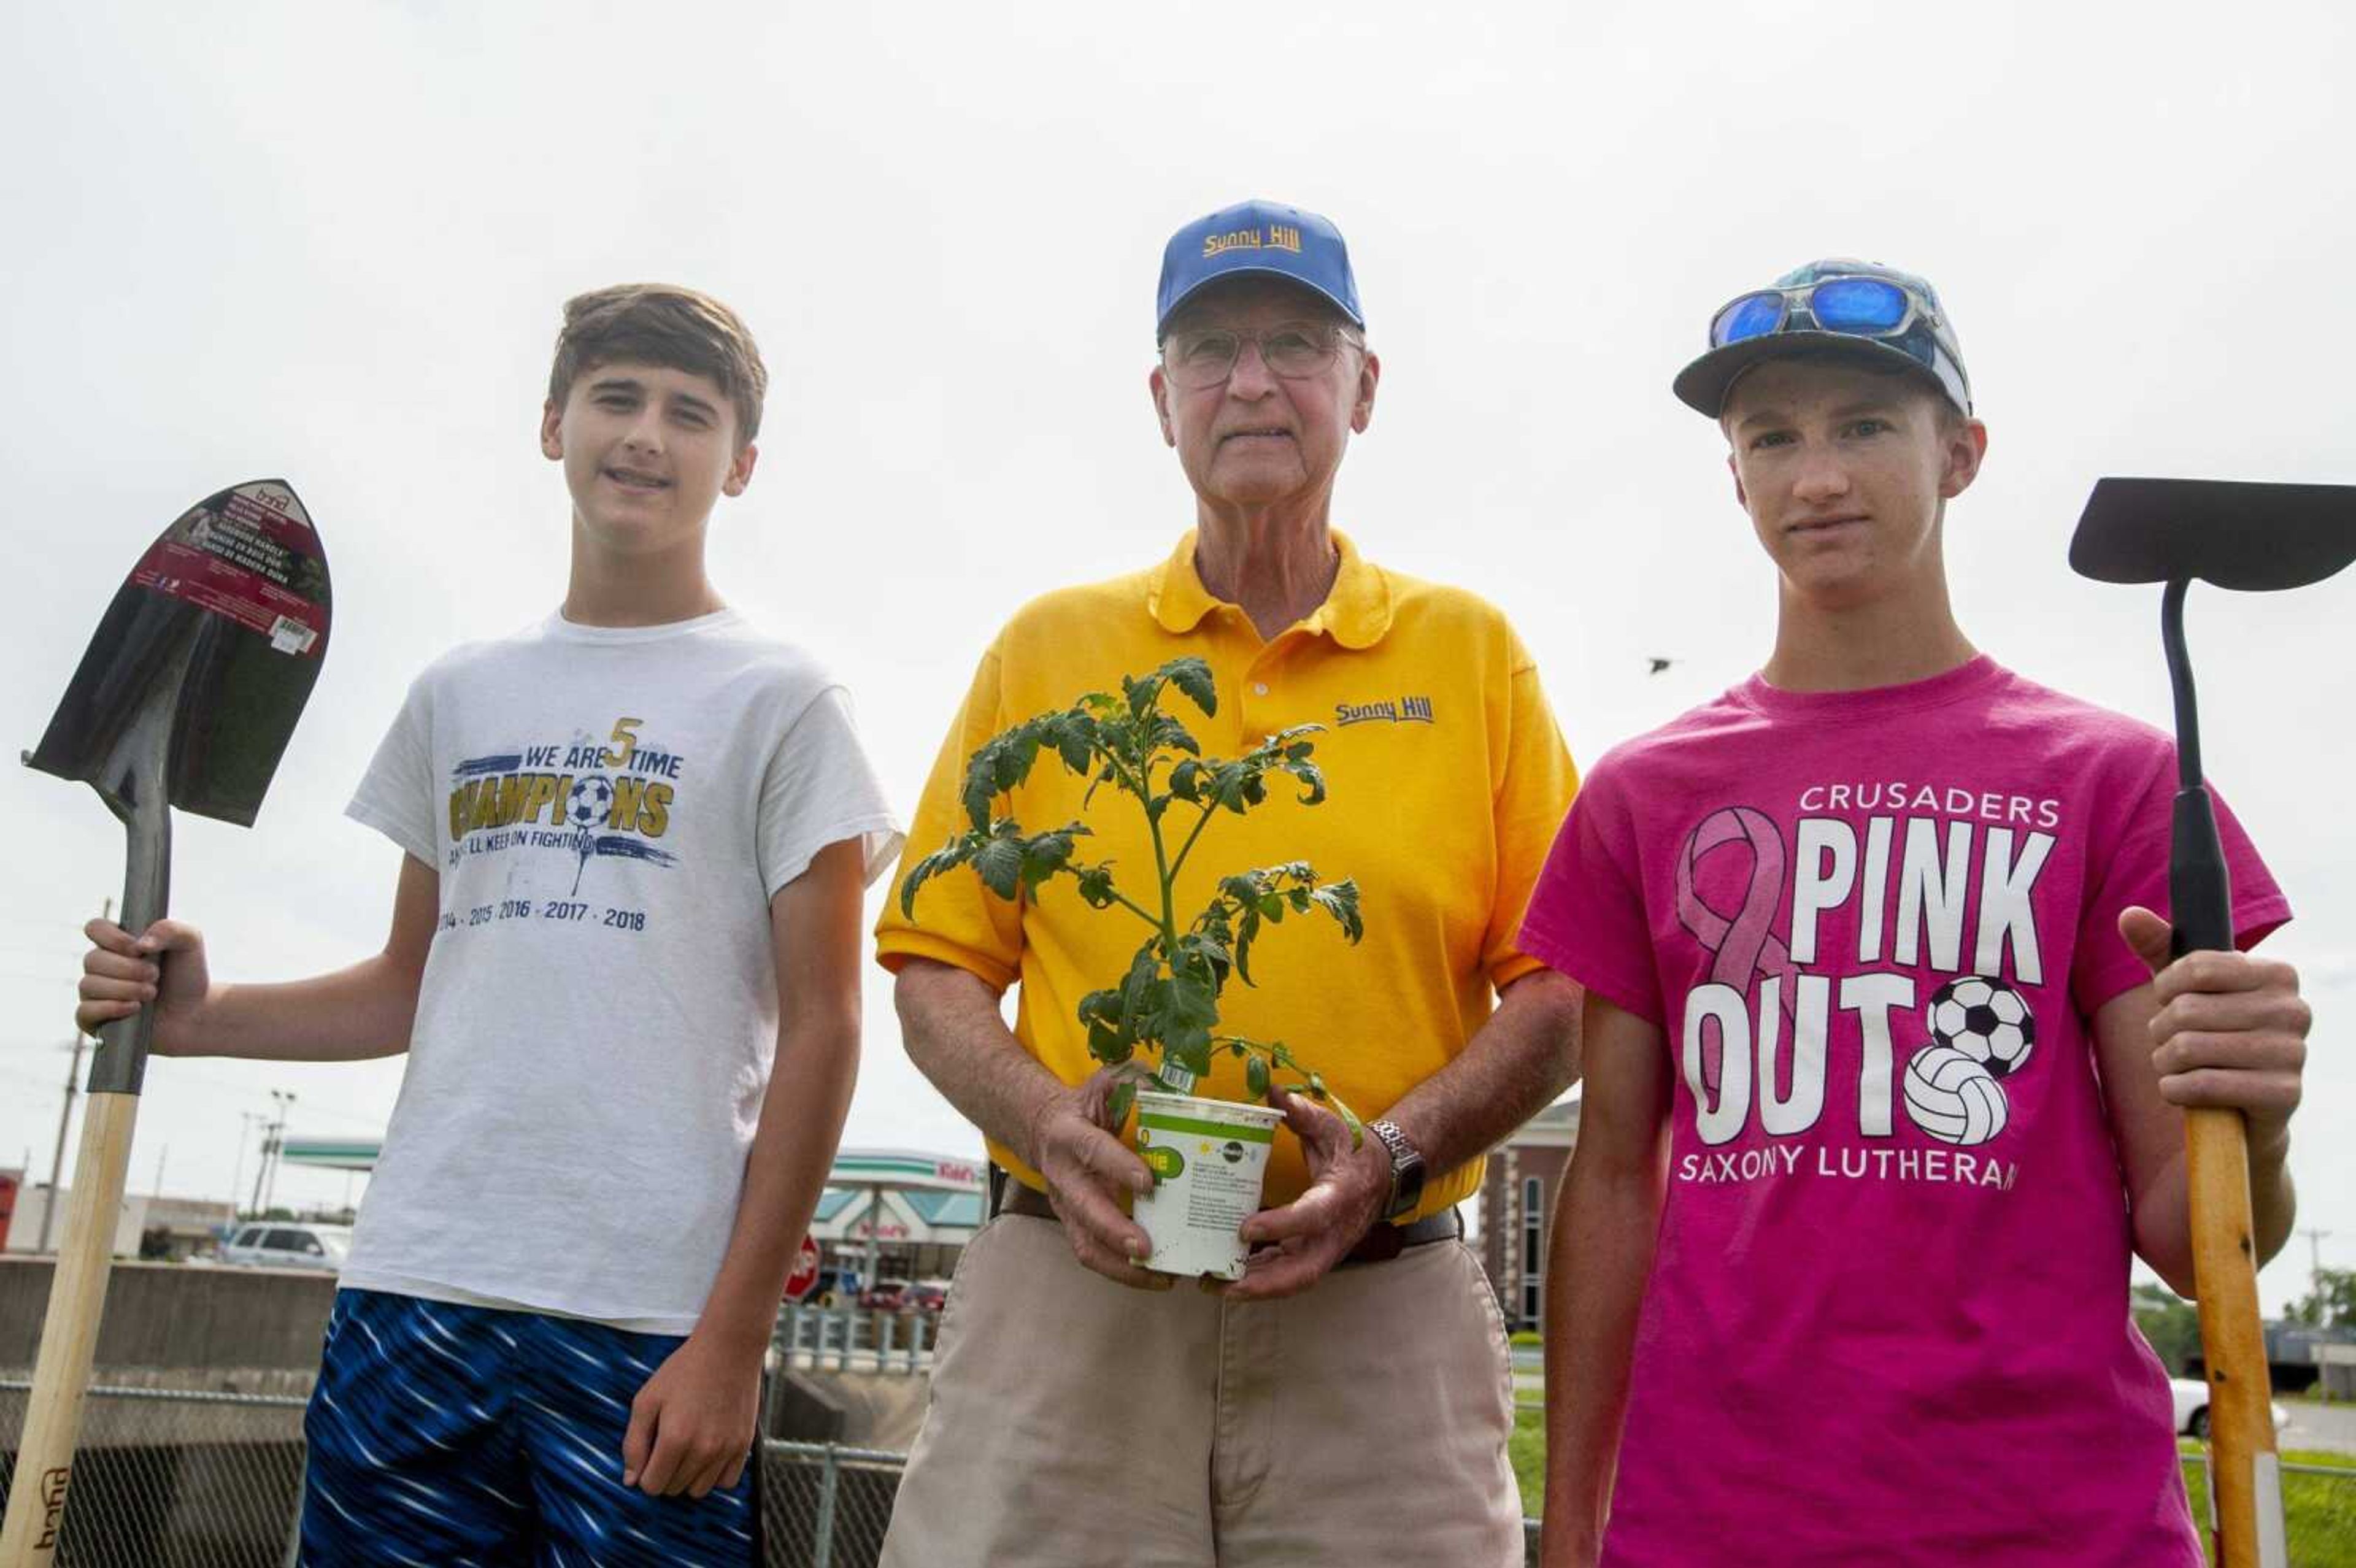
(1380, 1244)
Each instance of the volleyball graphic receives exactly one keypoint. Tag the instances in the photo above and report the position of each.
(1953, 1097)
(1984, 1019)
(591, 802)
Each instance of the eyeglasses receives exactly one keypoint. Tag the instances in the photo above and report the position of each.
(1202, 357)
(1857, 307)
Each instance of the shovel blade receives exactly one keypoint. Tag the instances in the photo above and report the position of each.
(230, 605)
(2226, 532)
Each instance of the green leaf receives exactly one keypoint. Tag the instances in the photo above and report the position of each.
(1168, 735)
(1247, 932)
(1071, 736)
(1308, 773)
(1193, 676)
(1340, 900)
(1231, 783)
(1123, 1095)
(1000, 863)
(1044, 854)
(1200, 953)
(1192, 1008)
(949, 855)
(980, 788)
(1018, 749)
(1186, 780)
(1340, 1108)
(1096, 885)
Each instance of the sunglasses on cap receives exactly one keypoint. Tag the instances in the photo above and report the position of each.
(1854, 306)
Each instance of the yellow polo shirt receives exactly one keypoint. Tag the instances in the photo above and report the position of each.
(1448, 780)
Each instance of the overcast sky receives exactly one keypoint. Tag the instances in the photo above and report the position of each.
(329, 242)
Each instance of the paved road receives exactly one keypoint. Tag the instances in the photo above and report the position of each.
(2326, 1426)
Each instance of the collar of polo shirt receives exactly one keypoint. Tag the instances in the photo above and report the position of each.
(1356, 612)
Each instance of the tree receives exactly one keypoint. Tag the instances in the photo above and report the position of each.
(2331, 1303)
(2171, 1322)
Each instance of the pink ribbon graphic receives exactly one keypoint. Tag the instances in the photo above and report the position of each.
(1746, 947)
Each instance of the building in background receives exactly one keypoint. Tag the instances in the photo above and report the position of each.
(899, 1213)
(1517, 1198)
(146, 1226)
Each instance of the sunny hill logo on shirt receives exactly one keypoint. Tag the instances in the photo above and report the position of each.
(1393, 711)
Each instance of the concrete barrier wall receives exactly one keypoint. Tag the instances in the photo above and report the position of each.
(178, 1316)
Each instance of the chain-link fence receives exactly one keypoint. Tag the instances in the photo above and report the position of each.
(825, 1506)
(171, 1478)
(167, 1478)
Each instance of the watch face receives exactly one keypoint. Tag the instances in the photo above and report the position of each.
(1407, 1169)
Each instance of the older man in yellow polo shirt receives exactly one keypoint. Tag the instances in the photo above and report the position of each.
(1349, 1399)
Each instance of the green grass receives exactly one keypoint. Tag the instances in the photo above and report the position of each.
(1528, 1449)
(2320, 1511)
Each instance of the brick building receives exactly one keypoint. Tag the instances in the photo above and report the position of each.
(1517, 1198)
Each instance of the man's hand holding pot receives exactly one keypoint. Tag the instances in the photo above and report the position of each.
(1077, 1151)
(1297, 1244)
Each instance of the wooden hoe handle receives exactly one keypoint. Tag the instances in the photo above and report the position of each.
(2245, 1479)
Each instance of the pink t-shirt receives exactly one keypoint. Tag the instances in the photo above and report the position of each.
(1887, 1318)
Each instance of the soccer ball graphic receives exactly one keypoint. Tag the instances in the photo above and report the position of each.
(591, 802)
(1986, 1020)
(1954, 1098)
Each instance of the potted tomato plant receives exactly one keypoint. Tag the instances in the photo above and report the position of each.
(1158, 1025)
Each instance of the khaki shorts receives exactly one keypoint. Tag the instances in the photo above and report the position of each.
(1075, 1423)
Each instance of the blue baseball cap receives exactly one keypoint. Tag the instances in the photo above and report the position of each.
(1264, 236)
(1859, 308)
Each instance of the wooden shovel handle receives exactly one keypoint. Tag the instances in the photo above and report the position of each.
(37, 1497)
(2244, 1484)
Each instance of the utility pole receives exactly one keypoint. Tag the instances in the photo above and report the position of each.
(246, 1120)
(2314, 1256)
(261, 1171)
(273, 1152)
(57, 1160)
(65, 1118)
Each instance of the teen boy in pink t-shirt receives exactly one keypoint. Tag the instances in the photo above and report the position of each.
(1884, 1058)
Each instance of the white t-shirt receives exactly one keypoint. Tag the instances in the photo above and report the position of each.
(610, 810)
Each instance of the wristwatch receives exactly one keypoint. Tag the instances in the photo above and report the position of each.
(1406, 1170)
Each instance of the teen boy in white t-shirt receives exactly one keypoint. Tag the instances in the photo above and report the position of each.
(635, 837)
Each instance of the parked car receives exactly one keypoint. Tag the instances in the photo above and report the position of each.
(2191, 1397)
(925, 1295)
(884, 1295)
(835, 1286)
(288, 1244)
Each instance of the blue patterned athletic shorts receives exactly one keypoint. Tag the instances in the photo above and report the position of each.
(443, 1435)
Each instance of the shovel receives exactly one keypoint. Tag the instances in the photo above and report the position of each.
(2262, 538)
(187, 696)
